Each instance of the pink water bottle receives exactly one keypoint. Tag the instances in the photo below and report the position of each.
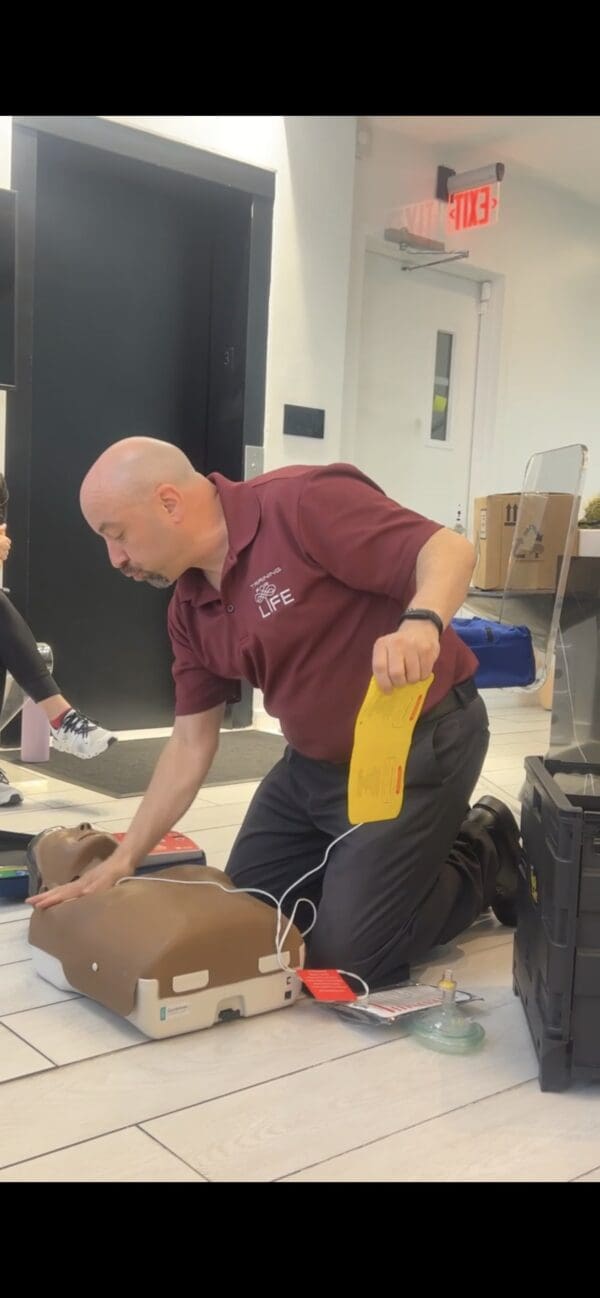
(35, 733)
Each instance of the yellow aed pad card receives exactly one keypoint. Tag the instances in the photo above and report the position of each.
(382, 739)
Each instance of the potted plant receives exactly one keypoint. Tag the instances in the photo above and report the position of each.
(589, 528)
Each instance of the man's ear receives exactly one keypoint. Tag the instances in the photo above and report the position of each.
(170, 499)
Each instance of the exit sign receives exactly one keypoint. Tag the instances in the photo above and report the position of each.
(473, 208)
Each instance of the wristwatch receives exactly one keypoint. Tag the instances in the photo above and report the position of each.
(423, 615)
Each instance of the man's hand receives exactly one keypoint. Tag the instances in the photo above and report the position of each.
(99, 879)
(5, 544)
(406, 656)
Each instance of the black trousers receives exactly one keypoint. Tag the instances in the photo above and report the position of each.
(392, 890)
(20, 656)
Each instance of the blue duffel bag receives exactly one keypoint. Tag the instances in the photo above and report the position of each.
(505, 653)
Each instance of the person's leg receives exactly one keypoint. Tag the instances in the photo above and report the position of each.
(395, 889)
(390, 891)
(278, 842)
(71, 731)
(20, 655)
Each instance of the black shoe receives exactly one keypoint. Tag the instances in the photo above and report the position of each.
(497, 819)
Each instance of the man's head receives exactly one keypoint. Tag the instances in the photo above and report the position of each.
(156, 514)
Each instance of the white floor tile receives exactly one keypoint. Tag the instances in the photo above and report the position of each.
(96, 1096)
(217, 840)
(73, 1030)
(222, 793)
(10, 911)
(29, 788)
(17, 1059)
(484, 788)
(123, 1156)
(19, 774)
(13, 942)
(32, 817)
(21, 989)
(526, 725)
(262, 721)
(214, 816)
(594, 1175)
(108, 1077)
(519, 715)
(93, 811)
(515, 770)
(516, 1135)
(201, 814)
(156, 732)
(501, 700)
(525, 741)
(292, 1122)
(49, 791)
(83, 801)
(508, 782)
(214, 840)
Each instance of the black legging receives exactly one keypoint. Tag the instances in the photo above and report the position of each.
(20, 656)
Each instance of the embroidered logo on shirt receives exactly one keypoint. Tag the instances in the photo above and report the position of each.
(268, 598)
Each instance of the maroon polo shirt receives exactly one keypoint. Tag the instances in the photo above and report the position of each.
(320, 564)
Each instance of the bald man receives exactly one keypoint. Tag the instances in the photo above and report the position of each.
(303, 582)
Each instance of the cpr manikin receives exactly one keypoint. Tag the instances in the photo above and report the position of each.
(167, 956)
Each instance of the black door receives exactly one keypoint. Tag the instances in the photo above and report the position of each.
(139, 327)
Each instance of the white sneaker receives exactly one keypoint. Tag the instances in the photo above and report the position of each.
(9, 796)
(80, 737)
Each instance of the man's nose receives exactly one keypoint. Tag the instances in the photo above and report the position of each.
(116, 554)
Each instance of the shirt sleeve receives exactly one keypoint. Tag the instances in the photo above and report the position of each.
(354, 531)
(196, 688)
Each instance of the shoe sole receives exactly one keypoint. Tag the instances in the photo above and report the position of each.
(85, 757)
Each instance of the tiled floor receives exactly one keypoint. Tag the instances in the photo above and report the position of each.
(294, 1095)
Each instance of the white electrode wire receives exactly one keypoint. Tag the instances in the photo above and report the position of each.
(260, 892)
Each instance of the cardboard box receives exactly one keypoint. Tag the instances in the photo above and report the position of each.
(543, 528)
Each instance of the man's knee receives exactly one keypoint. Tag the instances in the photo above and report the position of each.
(338, 948)
(244, 870)
(337, 945)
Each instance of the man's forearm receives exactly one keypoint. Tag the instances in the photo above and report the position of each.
(178, 775)
(443, 574)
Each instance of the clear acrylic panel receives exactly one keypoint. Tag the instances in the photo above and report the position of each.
(543, 527)
(575, 726)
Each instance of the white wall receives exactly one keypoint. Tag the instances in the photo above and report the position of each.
(390, 170)
(547, 246)
(313, 159)
(5, 153)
